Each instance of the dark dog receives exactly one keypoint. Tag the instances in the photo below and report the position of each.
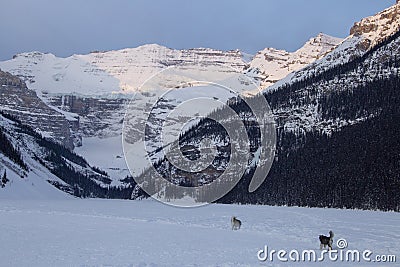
(236, 223)
(326, 240)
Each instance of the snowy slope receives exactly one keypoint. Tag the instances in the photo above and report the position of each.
(40, 166)
(109, 72)
(96, 88)
(147, 233)
(107, 154)
(276, 64)
(48, 73)
(34, 186)
(22, 184)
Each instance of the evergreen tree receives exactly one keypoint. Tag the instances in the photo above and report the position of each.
(4, 179)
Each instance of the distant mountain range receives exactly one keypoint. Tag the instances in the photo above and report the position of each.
(322, 95)
(89, 93)
(125, 70)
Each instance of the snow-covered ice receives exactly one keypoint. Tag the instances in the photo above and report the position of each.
(105, 153)
(94, 232)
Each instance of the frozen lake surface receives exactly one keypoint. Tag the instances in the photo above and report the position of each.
(92, 232)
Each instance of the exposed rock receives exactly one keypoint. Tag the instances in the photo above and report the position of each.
(16, 99)
(97, 116)
(378, 27)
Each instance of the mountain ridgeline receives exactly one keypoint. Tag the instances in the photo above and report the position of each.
(337, 138)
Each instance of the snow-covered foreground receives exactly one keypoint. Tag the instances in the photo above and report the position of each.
(147, 233)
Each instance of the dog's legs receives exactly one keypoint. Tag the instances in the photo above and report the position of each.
(320, 246)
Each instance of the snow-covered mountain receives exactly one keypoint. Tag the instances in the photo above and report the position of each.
(81, 100)
(96, 87)
(364, 35)
(100, 73)
(92, 91)
(337, 127)
(273, 64)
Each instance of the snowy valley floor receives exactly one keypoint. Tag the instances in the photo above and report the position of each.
(93, 232)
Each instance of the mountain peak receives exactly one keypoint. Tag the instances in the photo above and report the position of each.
(364, 35)
(276, 64)
(376, 28)
(151, 47)
(325, 38)
(319, 45)
(34, 54)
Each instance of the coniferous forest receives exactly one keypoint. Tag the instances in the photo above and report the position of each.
(354, 166)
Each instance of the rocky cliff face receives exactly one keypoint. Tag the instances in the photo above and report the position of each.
(132, 66)
(16, 99)
(376, 28)
(97, 116)
(365, 38)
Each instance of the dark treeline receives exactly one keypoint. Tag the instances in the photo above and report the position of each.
(356, 167)
(8, 149)
(59, 159)
(81, 183)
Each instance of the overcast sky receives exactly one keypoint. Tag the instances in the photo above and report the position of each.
(80, 26)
